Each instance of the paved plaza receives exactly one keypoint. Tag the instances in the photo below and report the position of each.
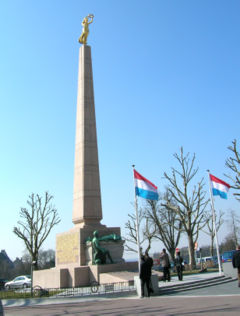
(211, 305)
(221, 299)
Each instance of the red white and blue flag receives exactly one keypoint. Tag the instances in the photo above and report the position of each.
(144, 188)
(219, 187)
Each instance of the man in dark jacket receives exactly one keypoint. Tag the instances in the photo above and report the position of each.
(179, 265)
(236, 262)
(149, 260)
(145, 273)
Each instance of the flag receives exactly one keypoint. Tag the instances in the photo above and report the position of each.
(219, 187)
(144, 188)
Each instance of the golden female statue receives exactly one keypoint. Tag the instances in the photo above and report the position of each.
(85, 30)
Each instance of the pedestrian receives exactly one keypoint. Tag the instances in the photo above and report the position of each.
(164, 260)
(179, 265)
(236, 262)
(149, 261)
(145, 273)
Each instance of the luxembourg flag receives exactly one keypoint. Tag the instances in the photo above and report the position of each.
(219, 187)
(144, 188)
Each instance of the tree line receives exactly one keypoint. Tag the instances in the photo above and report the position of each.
(22, 266)
(183, 208)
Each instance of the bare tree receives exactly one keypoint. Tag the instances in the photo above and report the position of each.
(233, 163)
(36, 223)
(210, 227)
(166, 220)
(46, 258)
(146, 230)
(233, 224)
(190, 199)
(5, 270)
(228, 243)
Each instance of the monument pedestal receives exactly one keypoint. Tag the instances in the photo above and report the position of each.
(74, 258)
(81, 276)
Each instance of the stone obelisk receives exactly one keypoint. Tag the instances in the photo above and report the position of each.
(87, 208)
(74, 264)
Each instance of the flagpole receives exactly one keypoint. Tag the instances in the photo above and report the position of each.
(137, 227)
(214, 224)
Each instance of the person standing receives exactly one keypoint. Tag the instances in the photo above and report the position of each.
(164, 260)
(236, 262)
(179, 265)
(149, 261)
(145, 273)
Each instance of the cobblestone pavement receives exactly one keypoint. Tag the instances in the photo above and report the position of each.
(169, 306)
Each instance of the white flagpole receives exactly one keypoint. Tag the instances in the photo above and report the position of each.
(137, 226)
(214, 224)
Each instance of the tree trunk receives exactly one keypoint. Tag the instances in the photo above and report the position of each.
(35, 259)
(192, 262)
(172, 254)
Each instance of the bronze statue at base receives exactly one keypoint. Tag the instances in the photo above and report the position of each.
(100, 254)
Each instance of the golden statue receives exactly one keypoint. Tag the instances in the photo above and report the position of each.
(85, 30)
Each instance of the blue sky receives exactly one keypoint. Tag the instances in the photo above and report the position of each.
(166, 75)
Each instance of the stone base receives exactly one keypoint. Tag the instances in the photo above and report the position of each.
(97, 271)
(120, 276)
(74, 259)
(61, 278)
(154, 285)
(78, 276)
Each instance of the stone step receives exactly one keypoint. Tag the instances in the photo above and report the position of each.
(194, 285)
(187, 283)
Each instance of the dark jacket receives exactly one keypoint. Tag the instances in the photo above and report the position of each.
(146, 268)
(178, 261)
(149, 261)
(236, 259)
